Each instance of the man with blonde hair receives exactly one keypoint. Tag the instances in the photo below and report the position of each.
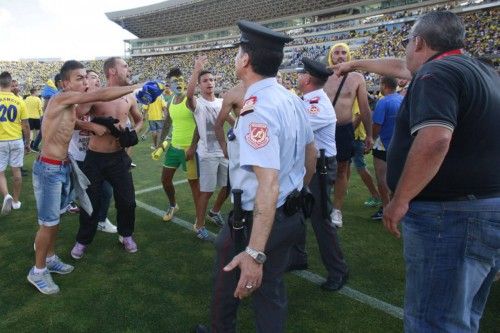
(343, 92)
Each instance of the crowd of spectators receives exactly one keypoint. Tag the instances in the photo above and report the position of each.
(382, 41)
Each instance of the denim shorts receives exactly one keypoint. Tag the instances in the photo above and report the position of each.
(155, 125)
(52, 187)
(359, 154)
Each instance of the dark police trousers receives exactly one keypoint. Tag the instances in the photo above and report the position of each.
(115, 169)
(326, 233)
(269, 301)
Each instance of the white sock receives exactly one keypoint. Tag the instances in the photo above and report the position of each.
(51, 258)
(39, 270)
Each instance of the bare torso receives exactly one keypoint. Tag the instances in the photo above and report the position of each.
(235, 98)
(343, 107)
(118, 109)
(57, 127)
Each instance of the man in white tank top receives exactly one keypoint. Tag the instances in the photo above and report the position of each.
(213, 166)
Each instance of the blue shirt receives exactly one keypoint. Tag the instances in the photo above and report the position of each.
(385, 114)
(271, 131)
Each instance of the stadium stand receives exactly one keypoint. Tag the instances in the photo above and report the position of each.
(369, 34)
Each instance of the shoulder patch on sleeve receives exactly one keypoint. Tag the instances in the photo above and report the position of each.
(248, 105)
(313, 109)
(257, 136)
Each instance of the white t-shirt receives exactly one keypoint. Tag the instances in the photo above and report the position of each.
(79, 143)
(205, 114)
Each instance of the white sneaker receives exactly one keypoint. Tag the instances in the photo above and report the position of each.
(16, 205)
(107, 226)
(7, 205)
(336, 217)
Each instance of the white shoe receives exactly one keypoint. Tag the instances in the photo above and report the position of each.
(7, 205)
(16, 205)
(336, 217)
(107, 226)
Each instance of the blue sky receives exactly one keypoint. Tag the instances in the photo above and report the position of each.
(71, 29)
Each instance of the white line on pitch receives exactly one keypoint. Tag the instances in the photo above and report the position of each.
(154, 188)
(390, 309)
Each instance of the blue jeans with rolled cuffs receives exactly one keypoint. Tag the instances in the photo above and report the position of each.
(52, 187)
(452, 253)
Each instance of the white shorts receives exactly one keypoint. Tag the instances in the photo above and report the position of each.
(11, 153)
(213, 173)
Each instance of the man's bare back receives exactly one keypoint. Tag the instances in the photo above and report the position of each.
(233, 101)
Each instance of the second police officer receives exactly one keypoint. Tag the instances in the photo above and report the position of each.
(312, 78)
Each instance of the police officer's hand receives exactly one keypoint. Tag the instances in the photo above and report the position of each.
(250, 274)
(393, 213)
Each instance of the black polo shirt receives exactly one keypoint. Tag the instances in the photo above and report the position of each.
(462, 94)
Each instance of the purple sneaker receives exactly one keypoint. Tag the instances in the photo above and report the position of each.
(128, 243)
(78, 251)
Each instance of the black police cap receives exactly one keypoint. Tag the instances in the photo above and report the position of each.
(260, 36)
(315, 68)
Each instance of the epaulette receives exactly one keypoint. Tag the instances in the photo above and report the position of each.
(248, 105)
(314, 100)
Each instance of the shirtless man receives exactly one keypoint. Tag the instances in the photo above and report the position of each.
(354, 87)
(233, 101)
(51, 171)
(106, 160)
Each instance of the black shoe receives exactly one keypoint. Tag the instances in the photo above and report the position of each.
(378, 215)
(335, 285)
(201, 329)
(24, 172)
(297, 267)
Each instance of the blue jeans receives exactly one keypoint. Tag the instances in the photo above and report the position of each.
(452, 253)
(52, 187)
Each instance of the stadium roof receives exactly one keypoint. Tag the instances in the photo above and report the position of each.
(175, 17)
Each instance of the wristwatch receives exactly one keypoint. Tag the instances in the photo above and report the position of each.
(259, 257)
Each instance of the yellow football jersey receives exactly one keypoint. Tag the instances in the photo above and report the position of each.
(34, 107)
(155, 109)
(12, 111)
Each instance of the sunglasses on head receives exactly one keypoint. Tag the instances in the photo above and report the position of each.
(407, 40)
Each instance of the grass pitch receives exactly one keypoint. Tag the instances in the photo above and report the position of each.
(166, 285)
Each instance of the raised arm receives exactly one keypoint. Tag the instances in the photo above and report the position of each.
(383, 66)
(199, 63)
(98, 95)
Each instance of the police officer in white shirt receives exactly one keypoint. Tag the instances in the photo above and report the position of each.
(270, 149)
(321, 113)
